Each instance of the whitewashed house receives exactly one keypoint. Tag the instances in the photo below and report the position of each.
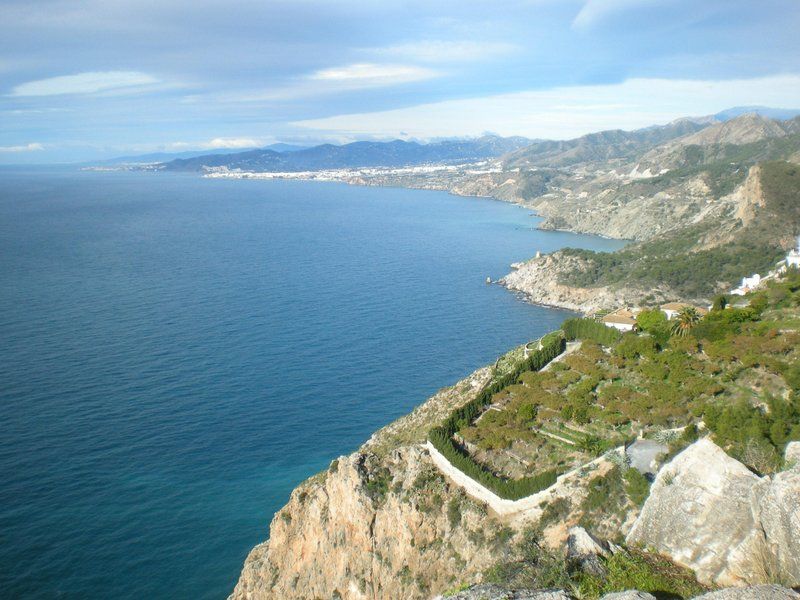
(748, 285)
(672, 309)
(622, 319)
(793, 258)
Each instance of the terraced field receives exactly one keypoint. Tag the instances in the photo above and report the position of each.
(736, 373)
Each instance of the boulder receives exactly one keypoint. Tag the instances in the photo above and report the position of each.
(756, 592)
(629, 595)
(582, 543)
(495, 592)
(708, 512)
(778, 513)
(585, 550)
(699, 513)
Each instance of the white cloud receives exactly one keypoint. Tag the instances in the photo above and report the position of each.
(348, 78)
(218, 144)
(440, 51)
(595, 10)
(84, 83)
(566, 112)
(33, 147)
(369, 74)
(232, 143)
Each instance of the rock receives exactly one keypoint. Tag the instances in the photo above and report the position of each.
(708, 512)
(757, 592)
(585, 550)
(778, 556)
(699, 512)
(792, 454)
(581, 543)
(494, 592)
(629, 595)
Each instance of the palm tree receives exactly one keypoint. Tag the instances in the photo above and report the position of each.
(685, 320)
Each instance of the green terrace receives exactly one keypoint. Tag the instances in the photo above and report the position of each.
(734, 372)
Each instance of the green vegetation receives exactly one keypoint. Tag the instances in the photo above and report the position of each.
(634, 570)
(685, 320)
(587, 329)
(736, 370)
(454, 512)
(637, 486)
(442, 437)
(535, 567)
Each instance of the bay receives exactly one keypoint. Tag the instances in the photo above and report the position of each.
(178, 353)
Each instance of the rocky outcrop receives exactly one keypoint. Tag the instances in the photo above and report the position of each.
(708, 512)
(384, 523)
(584, 550)
(493, 592)
(538, 280)
(749, 197)
(778, 515)
(370, 528)
(756, 592)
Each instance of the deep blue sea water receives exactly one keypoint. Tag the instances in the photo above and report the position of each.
(176, 354)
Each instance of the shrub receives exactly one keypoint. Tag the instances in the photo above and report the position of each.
(637, 486)
(555, 512)
(651, 320)
(587, 329)
(454, 512)
(634, 346)
(527, 413)
(646, 573)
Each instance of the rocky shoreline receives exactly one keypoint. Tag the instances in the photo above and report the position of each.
(537, 281)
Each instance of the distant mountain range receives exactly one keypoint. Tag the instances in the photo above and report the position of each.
(781, 114)
(397, 153)
(519, 152)
(162, 157)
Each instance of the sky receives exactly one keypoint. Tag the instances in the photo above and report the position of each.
(91, 79)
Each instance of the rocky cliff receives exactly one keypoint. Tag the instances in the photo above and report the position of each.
(383, 523)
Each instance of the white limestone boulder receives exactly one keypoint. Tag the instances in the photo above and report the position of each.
(699, 513)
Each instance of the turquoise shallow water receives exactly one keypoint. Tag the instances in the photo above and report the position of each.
(178, 353)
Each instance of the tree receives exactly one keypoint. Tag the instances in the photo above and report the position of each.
(685, 320)
(650, 320)
(720, 303)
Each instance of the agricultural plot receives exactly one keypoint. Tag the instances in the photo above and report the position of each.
(648, 383)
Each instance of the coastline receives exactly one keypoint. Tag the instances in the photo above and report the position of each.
(542, 289)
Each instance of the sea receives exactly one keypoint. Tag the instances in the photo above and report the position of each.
(177, 353)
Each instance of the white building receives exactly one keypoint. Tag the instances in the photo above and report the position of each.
(623, 320)
(672, 309)
(748, 285)
(793, 258)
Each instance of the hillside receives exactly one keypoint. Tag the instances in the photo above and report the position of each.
(747, 233)
(386, 523)
(599, 147)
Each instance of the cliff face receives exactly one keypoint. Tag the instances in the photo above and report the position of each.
(374, 524)
(371, 528)
(384, 523)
